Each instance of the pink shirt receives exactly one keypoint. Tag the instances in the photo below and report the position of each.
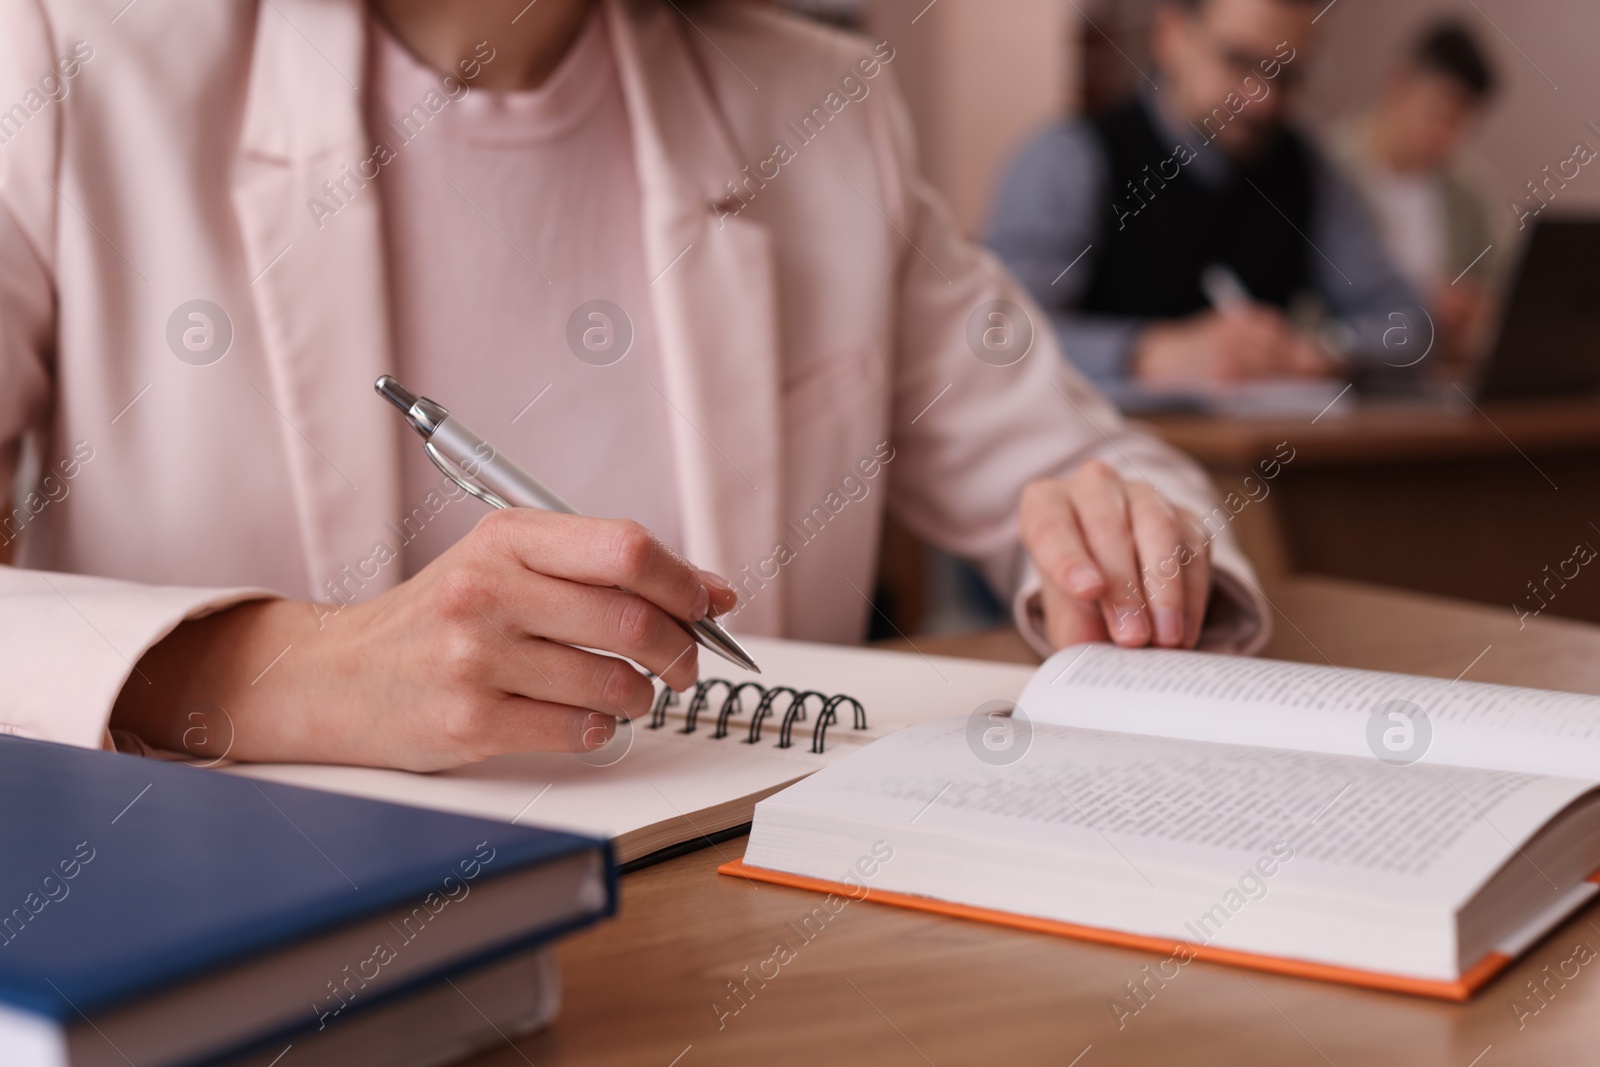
(509, 217)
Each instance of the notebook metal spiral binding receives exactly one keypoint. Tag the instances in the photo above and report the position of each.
(733, 704)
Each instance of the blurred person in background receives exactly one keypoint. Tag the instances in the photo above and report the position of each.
(1405, 157)
(1190, 234)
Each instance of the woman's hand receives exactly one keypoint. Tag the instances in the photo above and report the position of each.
(1118, 562)
(475, 655)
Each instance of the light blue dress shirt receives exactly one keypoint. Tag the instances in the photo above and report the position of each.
(1055, 200)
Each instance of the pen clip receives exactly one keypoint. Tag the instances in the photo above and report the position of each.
(488, 496)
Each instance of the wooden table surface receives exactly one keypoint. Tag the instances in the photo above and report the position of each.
(1479, 503)
(1390, 432)
(883, 985)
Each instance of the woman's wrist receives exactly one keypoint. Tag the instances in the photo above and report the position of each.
(200, 690)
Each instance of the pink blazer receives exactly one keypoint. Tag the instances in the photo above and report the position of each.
(817, 310)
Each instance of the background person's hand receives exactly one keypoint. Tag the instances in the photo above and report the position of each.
(1252, 341)
(1118, 562)
(1464, 315)
(474, 656)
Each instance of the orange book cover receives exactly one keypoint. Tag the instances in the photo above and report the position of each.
(1461, 989)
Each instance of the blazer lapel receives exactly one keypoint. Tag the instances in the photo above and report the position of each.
(714, 297)
(320, 289)
(319, 282)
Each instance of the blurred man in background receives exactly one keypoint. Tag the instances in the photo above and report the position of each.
(1405, 157)
(1189, 234)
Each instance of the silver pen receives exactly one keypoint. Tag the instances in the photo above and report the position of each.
(479, 468)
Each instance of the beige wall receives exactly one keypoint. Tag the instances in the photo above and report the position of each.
(979, 76)
(1534, 122)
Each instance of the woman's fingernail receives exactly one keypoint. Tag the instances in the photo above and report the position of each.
(1083, 580)
(1131, 624)
(726, 595)
(702, 603)
(591, 731)
(1169, 626)
(716, 581)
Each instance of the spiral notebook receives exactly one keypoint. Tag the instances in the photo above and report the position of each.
(692, 772)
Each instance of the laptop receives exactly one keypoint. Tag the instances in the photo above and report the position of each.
(1549, 339)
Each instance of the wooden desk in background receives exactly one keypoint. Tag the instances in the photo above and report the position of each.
(1470, 503)
(882, 985)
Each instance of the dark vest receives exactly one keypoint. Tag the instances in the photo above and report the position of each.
(1149, 263)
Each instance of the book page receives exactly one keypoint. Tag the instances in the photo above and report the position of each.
(1149, 834)
(1399, 718)
(1143, 805)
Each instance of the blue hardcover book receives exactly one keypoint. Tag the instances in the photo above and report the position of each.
(169, 916)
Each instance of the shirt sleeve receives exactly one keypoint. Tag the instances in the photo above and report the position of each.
(1043, 229)
(1010, 414)
(68, 642)
(27, 225)
(1381, 317)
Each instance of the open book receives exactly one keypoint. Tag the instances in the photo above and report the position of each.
(653, 789)
(1379, 829)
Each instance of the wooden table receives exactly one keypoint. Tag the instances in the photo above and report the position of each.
(1467, 502)
(883, 985)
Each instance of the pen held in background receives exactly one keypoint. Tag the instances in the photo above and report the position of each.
(1223, 289)
(1226, 293)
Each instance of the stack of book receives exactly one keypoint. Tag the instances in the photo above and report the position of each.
(164, 915)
